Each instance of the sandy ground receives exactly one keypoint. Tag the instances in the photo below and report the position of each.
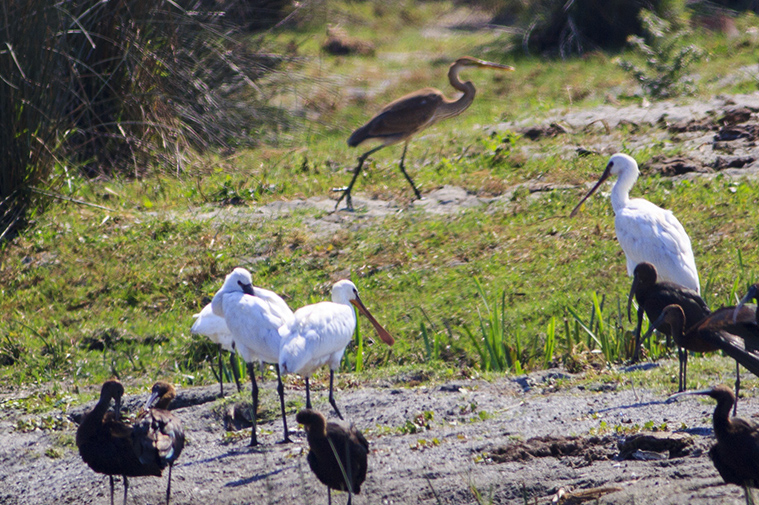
(453, 455)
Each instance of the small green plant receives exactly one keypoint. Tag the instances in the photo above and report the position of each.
(666, 57)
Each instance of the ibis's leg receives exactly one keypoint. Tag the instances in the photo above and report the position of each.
(350, 498)
(235, 372)
(308, 395)
(737, 387)
(331, 395)
(682, 382)
(281, 391)
(221, 375)
(111, 477)
(126, 488)
(408, 178)
(329, 495)
(261, 367)
(254, 410)
(168, 487)
(347, 190)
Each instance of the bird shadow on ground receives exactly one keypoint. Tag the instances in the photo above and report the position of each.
(252, 479)
(231, 454)
(704, 432)
(631, 406)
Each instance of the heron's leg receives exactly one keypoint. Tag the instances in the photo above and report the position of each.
(235, 372)
(347, 190)
(168, 487)
(254, 392)
(221, 375)
(126, 488)
(281, 391)
(331, 396)
(408, 178)
(737, 387)
(308, 395)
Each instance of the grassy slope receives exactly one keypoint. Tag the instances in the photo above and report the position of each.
(87, 293)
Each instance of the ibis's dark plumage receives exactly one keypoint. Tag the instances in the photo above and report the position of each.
(653, 296)
(700, 337)
(330, 441)
(736, 453)
(106, 444)
(158, 435)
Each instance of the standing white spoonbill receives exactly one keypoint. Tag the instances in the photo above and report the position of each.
(254, 324)
(319, 333)
(646, 232)
(215, 328)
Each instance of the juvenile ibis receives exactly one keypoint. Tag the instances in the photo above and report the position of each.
(319, 333)
(403, 118)
(215, 328)
(736, 453)
(645, 231)
(337, 453)
(254, 323)
(158, 435)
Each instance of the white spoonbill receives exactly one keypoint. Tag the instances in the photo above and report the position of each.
(646, 232)
(319, 333)
(254, 324)
(215, 328)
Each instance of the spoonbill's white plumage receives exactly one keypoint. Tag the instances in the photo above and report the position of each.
(254, 323)
(646, 232)
(318, 334)
(215, 328)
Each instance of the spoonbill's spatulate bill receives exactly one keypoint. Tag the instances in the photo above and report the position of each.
(736, 453)
(254, 323)
(319, 333)
(329, 442)
(645, 231)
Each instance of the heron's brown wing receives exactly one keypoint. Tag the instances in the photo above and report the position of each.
(405, 116)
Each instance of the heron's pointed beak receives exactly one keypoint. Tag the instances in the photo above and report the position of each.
(382, 332)
(496, 66)
(604, 176)
(630, 297)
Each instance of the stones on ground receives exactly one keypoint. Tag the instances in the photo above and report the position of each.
(652, 445)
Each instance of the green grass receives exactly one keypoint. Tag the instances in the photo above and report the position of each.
(89, 293)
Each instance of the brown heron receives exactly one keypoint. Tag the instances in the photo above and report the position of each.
(401, 119)
(337, 454)
(736, 453)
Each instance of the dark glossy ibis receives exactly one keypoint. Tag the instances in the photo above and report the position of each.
(106, 444)
(736, 453)
(337, 454)
(254, 323)
(653, 296)
(698, 339)
(645, 231)
(158, 435)
(751, 294)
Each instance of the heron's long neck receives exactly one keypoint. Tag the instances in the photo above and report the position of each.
(620, 193)
(450, 108)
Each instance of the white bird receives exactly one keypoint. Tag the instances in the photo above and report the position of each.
(319, 333)
(215, 328)
(645, 231)
(254, 319)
